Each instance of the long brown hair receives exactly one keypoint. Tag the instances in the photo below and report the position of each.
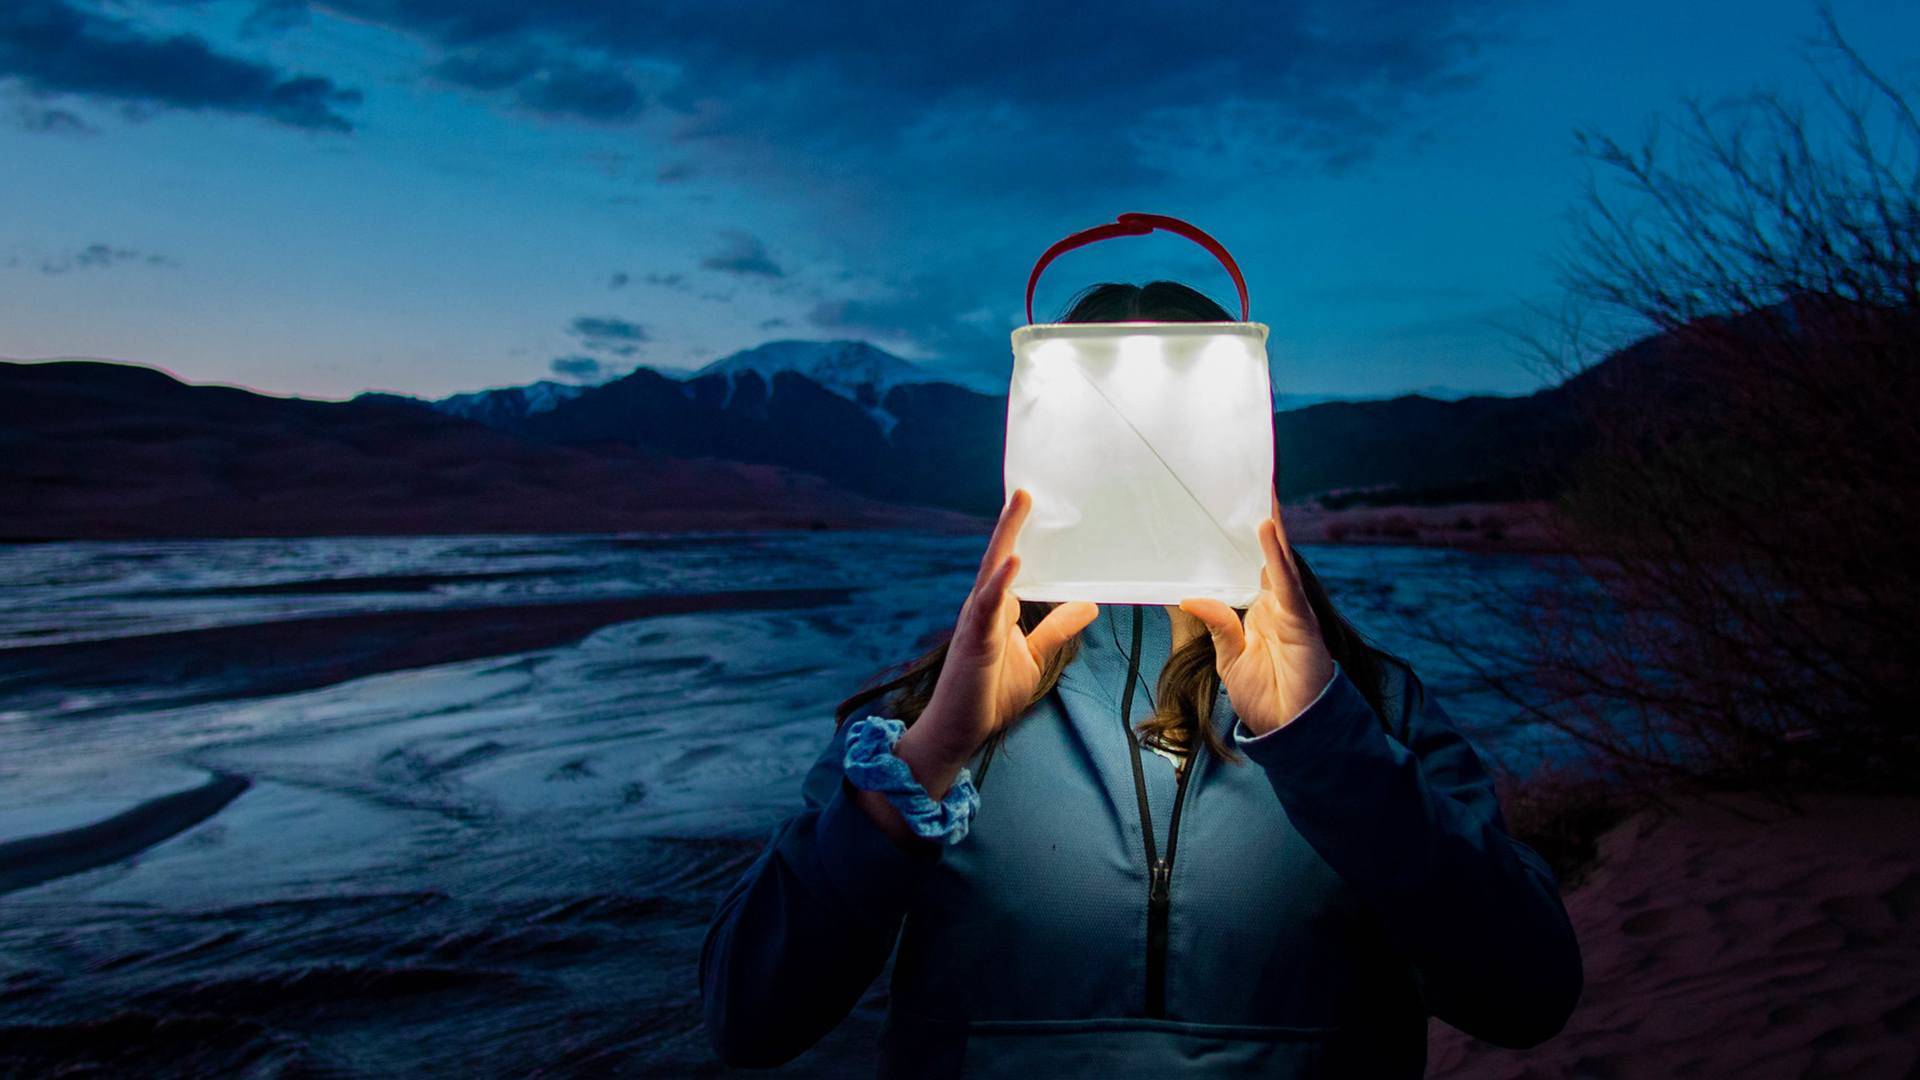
(1189, 682)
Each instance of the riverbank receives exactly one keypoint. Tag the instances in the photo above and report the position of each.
(1515, 527)
(284, 656)
(1730, 938)
(1507, 527)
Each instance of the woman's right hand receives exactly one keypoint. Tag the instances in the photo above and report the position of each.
(992, 667)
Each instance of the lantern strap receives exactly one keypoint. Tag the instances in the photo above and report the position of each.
(1131, 224)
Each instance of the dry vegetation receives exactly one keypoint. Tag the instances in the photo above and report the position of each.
(1740, 613)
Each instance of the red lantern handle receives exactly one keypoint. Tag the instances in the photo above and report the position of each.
(1138, 225)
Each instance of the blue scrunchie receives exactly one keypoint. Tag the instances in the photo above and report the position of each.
(871, 766)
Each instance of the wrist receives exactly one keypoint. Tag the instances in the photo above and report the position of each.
(928, 808)
(933, 758)
(1320, 680)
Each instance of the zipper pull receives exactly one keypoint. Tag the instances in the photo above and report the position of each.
(1160, 881)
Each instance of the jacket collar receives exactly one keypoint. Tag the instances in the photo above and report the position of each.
(1098, 670)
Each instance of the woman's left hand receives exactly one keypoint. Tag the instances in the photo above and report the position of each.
(1275, 663)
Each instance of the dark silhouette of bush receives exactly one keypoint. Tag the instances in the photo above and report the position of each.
(1741, 611)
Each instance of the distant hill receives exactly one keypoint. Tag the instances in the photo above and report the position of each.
(1418, 449)
(91, 449)
(791, 434)
(879, 425)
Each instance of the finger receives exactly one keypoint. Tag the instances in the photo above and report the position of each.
(1059, 627)
(1281, 571)
(1000, 544)
(1274, 498)
(1280, 527)
(985, 606)
(1223, 623)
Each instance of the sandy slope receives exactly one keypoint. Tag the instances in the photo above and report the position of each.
(1723, 945)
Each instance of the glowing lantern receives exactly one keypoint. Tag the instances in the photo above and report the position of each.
(1147, 447)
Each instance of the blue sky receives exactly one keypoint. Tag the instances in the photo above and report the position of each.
(437, 195)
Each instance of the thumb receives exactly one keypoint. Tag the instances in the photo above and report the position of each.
(1229, 637)
(1058, 628)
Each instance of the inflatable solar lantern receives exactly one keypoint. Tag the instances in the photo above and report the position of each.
(1147, 448)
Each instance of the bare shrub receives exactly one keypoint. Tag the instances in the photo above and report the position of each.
(1742, 608)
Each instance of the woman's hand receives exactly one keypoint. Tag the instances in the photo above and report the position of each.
(992, 667)
(1274, 664)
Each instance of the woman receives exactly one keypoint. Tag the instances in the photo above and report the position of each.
(1212, 842)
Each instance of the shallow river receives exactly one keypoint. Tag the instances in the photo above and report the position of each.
(463, 804)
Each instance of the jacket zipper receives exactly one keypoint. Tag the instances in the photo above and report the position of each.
(1159, 870)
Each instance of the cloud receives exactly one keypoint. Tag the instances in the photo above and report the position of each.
(100, 256)
(273, 17)
(1323, 78)
(545, 82)
(583, 368)
(46, 120)
(742, 254)
(919, 310)
(918, 138)
(674, 280)
(52, 47)
(618, 280)
(615, 336)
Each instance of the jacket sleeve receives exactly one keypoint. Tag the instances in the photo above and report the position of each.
(1412, 825)
(808, 926)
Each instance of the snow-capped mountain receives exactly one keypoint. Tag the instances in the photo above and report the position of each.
(502, 405)
(841, 366)
(854, 370)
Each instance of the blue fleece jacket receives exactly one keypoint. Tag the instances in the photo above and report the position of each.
(1297, 913)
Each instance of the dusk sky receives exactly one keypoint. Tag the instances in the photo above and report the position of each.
(437, 195)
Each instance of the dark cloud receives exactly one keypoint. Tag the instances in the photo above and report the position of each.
(944, 314)
(45, 120)
(584, 92)
(617, 337)
(919, 310)
(52, 47)
(618, 280)
(742, 254)
(674, 280)
(1324, 78)
(885, 118)
(545, 82)
(100, 256)
(607, 327)
(772, 324)
(486, 69)
(583, 368)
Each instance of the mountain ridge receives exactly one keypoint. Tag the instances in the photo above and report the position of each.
(94, 450)
(104, 449)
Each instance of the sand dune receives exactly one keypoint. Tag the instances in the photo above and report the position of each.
(1736, 940)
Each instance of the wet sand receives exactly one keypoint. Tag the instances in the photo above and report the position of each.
(30, 861)
(188, 667)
